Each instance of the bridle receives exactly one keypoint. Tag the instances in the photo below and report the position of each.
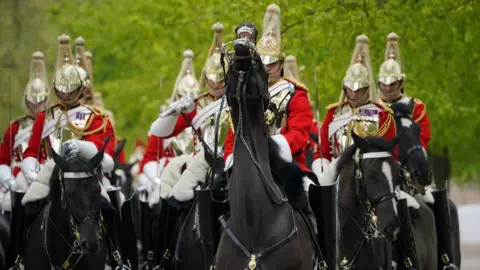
(76, 252)
(369, 229)
(407, 181)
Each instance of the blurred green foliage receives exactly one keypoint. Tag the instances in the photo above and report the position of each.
(138, 48)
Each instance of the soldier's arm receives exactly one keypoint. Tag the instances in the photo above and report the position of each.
(92, 143)
(6, 151)
(30, 161)
(154, 150)
(297, 130)
(170, 126)
(420, 116)
(227, 155)
(387, 129)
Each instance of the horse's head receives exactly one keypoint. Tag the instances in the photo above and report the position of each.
(247, 82)
(368, 171)
(413, 162)
(79, 188)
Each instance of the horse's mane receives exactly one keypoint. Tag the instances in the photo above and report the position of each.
(377, 143)
(289, 176)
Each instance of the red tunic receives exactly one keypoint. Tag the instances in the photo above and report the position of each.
(420, 116)
(6, 148)
(155, 151)
(97, 138)
(296, 131)
(385, 121)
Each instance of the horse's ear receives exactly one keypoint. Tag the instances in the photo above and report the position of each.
(119, 148)
(95, 160)
(359, 141)
(59, 160)
(411, 105)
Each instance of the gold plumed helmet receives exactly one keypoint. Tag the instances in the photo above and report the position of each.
(290, 68)
(67, 78)
(359, 74)
(270, 45)
(213, 69)
(186, 81)
(37, 90)
(81, 62)
(391, 69)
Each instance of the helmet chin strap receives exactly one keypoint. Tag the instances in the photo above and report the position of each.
(272, 79)
(364, 98)
(74, 101)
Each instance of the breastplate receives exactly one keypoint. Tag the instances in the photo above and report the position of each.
(64, 133)
(207, 128)
(363, 120)
(183, 142)
(279, 101)
(18, 152)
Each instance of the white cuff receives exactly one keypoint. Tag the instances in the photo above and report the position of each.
(196, 172)
(411, 201)
(163, 126)
(152, 170)
(319, 166)
(5, 173)
(284, 148)
(29, 164)
(228, 162)
(327, 178)
(428, 197)
(88, 150)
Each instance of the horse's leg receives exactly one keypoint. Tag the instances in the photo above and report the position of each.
(455, 233)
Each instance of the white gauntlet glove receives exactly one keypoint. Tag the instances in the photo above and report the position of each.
(70, 148)
(30, 176)
(184, 105)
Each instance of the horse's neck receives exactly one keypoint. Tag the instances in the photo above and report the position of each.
(252, 209)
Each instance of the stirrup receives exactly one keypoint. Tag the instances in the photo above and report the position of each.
(451, 266)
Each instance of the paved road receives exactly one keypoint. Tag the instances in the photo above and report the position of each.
(471, 257)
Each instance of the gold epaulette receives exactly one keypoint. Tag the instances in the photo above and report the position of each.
(334, 105)
(297, 84)
(384, 107)
(97, 110)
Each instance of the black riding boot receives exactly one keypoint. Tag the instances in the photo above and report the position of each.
(441, 212)
(17, 231)
(113, 225)
(323, 202)
(128, 241)
(406, 241)
(208, 228)
(146, 215)
(167, 230)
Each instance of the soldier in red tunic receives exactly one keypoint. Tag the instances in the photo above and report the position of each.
(289, 117)
(12, 148)
(16, 136)
(391, 81)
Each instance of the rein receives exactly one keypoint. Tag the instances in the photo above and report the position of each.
(76, 253)
(370, 229)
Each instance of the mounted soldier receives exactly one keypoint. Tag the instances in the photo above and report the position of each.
(14, 143)
(358, 109)
(69, 126)
(202, 114)
(391, 82)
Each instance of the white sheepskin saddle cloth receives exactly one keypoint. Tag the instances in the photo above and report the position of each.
(177, 184)
(5, 201)
(39, 189)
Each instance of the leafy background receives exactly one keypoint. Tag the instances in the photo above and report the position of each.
(138, 48)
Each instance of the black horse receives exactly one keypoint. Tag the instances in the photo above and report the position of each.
(4, 239)
(69, 232)
(415, 175)
(368, 215)
(264, 230)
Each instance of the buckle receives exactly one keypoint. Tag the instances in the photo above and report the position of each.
(150, 255)
(322, 265)
(116, 255)
(408, 262)
(445, 258)
(167, 254)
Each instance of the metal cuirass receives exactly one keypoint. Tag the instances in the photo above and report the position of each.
(281, 93)
(63, 133)
(363, 120)
(207, 128)
(183, 142)
(23, 123)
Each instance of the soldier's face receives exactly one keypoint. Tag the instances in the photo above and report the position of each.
(356, 98)
(216, 88)
(274, 71)
(36, 108)
(391, 91)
